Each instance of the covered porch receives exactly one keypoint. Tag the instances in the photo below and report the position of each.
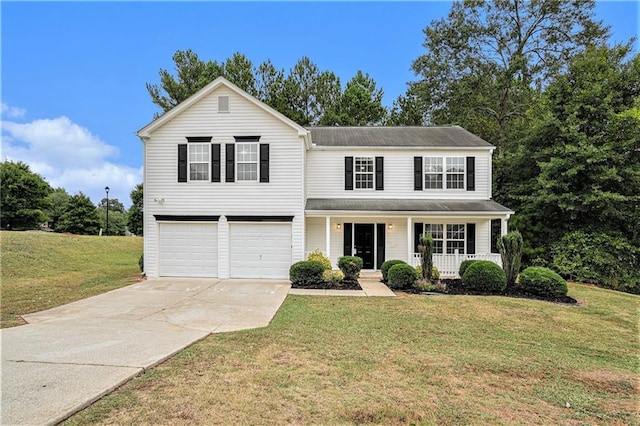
(379, 230)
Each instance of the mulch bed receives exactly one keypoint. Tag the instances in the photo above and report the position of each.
(344, 285)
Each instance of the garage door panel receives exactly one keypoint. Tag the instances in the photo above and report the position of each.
(260, 250)
(188, 249)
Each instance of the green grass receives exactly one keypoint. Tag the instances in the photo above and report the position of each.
(407, 360)
(42, 270)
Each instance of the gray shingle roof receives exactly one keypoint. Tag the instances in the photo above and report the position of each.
(438, 136)
(391, 205)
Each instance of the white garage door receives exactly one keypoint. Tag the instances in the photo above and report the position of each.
(188, 249)
(260, 250)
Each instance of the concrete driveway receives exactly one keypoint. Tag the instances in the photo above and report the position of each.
(68, 357)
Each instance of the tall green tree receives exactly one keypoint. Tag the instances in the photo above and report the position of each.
(117, 221)
(136, 211)
(58, 201)
(579, 168)
(80, 216)
(239, 70)
(23, 196)
(359, 105)
(486, 59)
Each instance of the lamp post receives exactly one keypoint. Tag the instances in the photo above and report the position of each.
(106, 189)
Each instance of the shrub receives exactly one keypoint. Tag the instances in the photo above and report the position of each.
(318, 256)
(484, 276)
(510, 247)
(464, 265)
(542, 282)
(425, 247)
(350, 267)
(387, 265)
(598, 259)
(306, 273)
(435, 272)
(402, 276)
(333, 277)
(141, 262)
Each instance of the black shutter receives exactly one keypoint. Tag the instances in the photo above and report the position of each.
(471, 173)
(264, 162)
(471, 238)
(348, 173)
(229, 161)
(417, 173)
(347, 239)
(379, 173)
(418, 230)
(215, 162)
(380, 244)
(182, 162)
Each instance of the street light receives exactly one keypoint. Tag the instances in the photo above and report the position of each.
(106, 188)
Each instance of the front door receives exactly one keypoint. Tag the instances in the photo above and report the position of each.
(363, 238)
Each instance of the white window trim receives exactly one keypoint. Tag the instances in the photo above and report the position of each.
(372, 173)
(189, 162)
(237, 163)
(445, 240)
(444, 173)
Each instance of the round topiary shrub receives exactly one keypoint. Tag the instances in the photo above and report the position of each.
(435, 272)
(402, 276)
(350, 267)
(542, 282)
(483, 276)
(387, 265)
(306, 273)
(464, 265)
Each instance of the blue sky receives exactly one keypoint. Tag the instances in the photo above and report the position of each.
(74, 73)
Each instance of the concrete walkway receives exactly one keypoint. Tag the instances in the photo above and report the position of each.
(68, 357)
(369, 281)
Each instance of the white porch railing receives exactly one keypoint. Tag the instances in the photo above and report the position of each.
(448, 264)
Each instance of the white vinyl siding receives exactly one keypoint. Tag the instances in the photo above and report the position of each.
(325, 174)
(283, 196)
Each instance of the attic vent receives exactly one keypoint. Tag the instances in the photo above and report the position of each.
(223, 104)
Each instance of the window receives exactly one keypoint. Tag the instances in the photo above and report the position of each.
(438, 170)
(247, 161)
(433, 173)
(455, 238)
(199, 161)
(364, 172)
(436, 232)
(455, 172)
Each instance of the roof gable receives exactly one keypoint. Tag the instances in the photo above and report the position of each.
(409, 136)
(147, 130)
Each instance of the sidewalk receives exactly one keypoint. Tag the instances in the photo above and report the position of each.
(369, 281)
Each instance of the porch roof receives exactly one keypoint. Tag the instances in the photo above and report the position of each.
(406, 205)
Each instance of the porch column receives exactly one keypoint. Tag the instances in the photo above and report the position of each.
(409, 240)
(503, 225)
(327, 229)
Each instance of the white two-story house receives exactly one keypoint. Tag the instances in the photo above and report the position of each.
(234, 189)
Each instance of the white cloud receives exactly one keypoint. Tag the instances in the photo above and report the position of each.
(68, 155)
(12, 112)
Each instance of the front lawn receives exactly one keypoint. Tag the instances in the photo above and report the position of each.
(406, 360)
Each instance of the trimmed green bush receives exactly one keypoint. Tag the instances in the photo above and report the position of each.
(387, 265)
(402, 276)
(306, 273)
(483, 276)
(350, 267)
(464, 265)
(425, 248)
(318, 256)
(542, 282)
(510, 247)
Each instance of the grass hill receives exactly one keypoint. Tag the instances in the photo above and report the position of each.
(41, 270)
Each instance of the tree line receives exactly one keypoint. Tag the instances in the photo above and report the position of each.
(29, 202)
